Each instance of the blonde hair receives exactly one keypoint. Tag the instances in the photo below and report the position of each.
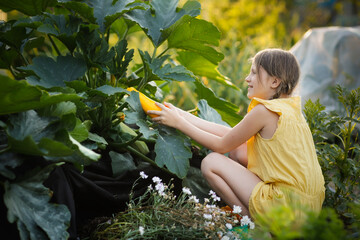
(282, 65)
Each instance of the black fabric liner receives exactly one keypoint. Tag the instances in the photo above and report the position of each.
(95, 193)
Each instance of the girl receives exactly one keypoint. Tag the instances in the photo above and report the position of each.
(272, 158)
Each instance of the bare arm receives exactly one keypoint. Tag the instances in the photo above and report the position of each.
(251, 124)
(210, 127)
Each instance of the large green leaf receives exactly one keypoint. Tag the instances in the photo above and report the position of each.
(29, 133)
(59, 110)
(123, 26)
(28, 205)
(135, 113)
(121, 163)
(162, 15)
(172, 150)
(208, 113)
(202, 67)
(9, 160)
(32, 134)
(145, 129)
(18, 96)
(8, 56)
(121, 61)
(95, 49)
(107, 11)
(107, 90)
(197, 36)
(28, 7)
(13, 36)
(155, 70)
(63, 27)
(81, 8)
(80, 132)
(227, 110)
(86, 152)
(53, 73)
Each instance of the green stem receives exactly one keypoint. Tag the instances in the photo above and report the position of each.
(147, 140)
(12, 71)
(107, 35)
(139, 70)
(54, 45)
(163, 84)
(348, 136)
(145, 158)
(22, 57)
(163, 52)
(5, 150)
(122, 106)
(125, 144)
(154, 54)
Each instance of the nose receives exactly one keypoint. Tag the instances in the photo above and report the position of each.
(247, 79)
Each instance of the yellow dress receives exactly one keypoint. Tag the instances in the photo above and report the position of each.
(287, 162)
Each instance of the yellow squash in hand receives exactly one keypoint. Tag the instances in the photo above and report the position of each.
(146, 103)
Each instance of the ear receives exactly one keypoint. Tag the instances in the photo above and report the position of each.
(275, 82)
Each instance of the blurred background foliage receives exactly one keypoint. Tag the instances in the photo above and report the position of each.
(248, 26)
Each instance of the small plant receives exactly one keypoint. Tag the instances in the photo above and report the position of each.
(280, 223)
(159, 214)
(337, 145)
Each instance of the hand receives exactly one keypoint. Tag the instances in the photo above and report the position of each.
(169, 115)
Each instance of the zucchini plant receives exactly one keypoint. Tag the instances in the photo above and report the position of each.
(63, 96)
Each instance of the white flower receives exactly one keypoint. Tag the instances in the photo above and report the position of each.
(245, 220)
(143, 175)
(156, 180)
(160, 188)
(228, 225)
(207, 216)
(211, 208)
(186, 190)
(193, 199)
(141, 230)
(252, 225)
(214, 196)
(225, 238)
(206, 200)
(237, 209)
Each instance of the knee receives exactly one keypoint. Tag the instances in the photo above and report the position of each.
(207, 164)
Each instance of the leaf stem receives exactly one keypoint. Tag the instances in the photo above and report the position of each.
(145, 158)
(154, 54)
(147, 140)
(163, 52)
(163, 84)
(121, 107)
(139, 70)
(54, 45)
(5, 149)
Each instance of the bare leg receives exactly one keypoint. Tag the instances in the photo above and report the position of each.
(229, 179)
(239, 154)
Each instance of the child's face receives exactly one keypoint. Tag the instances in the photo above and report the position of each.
(259, 83)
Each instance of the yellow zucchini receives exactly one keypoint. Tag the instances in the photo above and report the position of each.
(146, 103)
